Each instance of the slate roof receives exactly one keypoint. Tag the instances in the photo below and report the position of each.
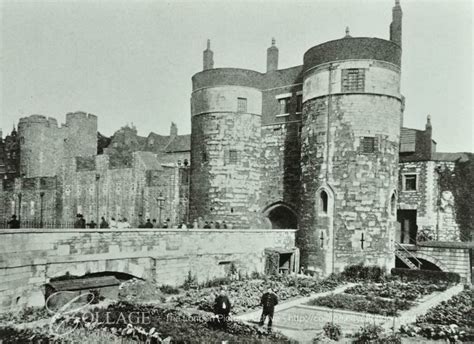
(149, 160)
(181, 143)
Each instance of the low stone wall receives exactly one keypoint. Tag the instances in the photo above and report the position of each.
(30, 258)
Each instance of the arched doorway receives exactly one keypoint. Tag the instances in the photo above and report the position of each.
(282, 216)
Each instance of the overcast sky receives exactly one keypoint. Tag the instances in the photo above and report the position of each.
(132, 61)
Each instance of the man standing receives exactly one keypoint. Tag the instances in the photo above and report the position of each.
(269, 301)
(14, 223)
(222, 308)
(148, 224)
(103, 223)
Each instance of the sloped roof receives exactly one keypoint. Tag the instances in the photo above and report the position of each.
(451, 156)
(159, 142)
(85, 283)
(149, 161)
(181, 143)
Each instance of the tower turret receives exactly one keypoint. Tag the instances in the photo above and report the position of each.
(272, 57)
(208, 57)
(396, 25)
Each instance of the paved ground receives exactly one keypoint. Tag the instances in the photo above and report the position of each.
(303, 323)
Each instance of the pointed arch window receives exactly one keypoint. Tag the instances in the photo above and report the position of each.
(323, 202)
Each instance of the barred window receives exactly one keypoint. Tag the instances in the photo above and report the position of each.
(368, 144)
(299, 103)
(242, 105)
(233, 156)
(284, 106)
(409, 182)
(353, 80)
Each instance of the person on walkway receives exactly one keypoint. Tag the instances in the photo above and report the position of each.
(92, 224)
(78, 223)
(82, 221)
(103, 223)
(13, 223)
(222, 308)
(206, 225)
(269, 301)
(148, 224)
(224, 225)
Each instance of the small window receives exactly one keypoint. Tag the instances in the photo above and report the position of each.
(284, 106)
(368, 144)
(323, 199)
(299, 103)
(242, 105)
(393, 205)
(204, 157)
(353, 80)
(233, 156)
(410, 182)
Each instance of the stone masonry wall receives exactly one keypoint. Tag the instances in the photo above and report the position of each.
(29, 258)
(226, 187)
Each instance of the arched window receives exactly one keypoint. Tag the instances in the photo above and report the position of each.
(393, 205)
(323, 202)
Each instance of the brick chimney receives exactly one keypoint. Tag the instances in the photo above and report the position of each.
(208, 57)
(173, 131)
(272, 57)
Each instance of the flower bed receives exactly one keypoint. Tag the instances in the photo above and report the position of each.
(450, 320)
(172, 325)
(246, 295)
(373, 305)
(396, 289)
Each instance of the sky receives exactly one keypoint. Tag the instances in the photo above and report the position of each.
(132, 61)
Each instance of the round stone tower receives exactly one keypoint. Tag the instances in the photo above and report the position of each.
(352, 111)
(226, 107)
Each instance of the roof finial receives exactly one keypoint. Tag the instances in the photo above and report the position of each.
(347, 32)
(273, 41)
(208, 44)
(428, 121)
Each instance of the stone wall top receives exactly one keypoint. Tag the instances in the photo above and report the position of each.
(363, 48)
(227, 77)
(109, 230)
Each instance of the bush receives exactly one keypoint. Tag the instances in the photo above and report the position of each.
(360, 272)
(429, 275)
(368, 334)
(332, 331)
(373, 305)
(190, 281)
(167, 289)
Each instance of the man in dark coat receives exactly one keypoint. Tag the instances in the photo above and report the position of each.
(148, 224)
(269, 301)
(222, 308)
(103, 223)
(82, 221)
(14, 223)
(78, 222)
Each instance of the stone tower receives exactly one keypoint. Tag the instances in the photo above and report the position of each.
(44, 145)
(226, 105)
(352, 110)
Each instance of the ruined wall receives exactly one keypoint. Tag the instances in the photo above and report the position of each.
(29, 258)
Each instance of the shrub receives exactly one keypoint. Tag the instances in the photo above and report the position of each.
(428, 275)
(190, 281)
(368, 334)
(332, 331)
(167, 289)
(360, 272)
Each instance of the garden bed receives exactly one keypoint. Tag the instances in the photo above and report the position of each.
(246, 295)
(367, 304)
(411, 291)
(171, 325)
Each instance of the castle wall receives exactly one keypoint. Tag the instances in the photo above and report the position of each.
(225, 155)
(30, 258)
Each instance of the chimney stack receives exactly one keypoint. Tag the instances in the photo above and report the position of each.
(208, 57)
(396, 25)
(272, 57)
